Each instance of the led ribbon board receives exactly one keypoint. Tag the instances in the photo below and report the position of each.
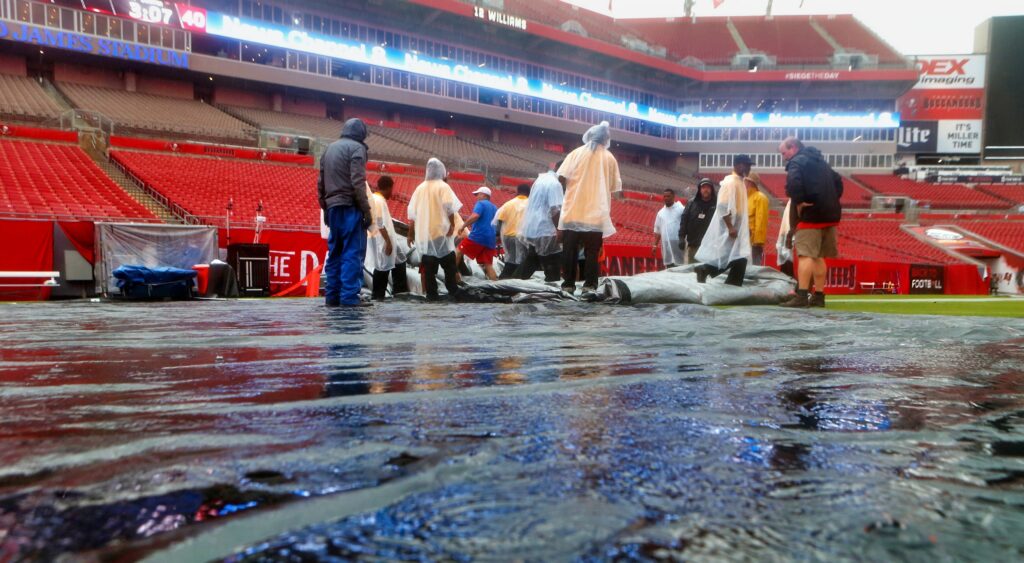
(91, 44)
(253, 31)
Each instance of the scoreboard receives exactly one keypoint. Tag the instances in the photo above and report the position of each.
(173, 14)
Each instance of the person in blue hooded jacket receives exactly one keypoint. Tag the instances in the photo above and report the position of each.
(342, 191)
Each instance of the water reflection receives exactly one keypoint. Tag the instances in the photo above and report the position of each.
(582, 437)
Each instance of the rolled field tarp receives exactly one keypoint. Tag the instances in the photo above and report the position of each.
(761, 286)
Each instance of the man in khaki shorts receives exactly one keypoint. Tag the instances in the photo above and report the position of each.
(814, 191)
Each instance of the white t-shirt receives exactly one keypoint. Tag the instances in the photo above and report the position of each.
(667, 222)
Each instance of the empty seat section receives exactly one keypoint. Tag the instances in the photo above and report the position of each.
(791, 39)
(883, 240)
(23, 98)
(555, 14)
(455, 152)
(1010, 192)
(204, 186)
(44, 180)
(707, 39)
(1008, 233)
(159, 114)
(320, 127)
(938, 196)
(854, 36)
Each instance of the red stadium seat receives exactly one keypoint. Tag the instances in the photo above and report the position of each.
(60, 182)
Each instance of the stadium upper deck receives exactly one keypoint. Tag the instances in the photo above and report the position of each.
(434, 48)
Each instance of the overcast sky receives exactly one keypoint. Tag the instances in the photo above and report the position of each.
(913, 27)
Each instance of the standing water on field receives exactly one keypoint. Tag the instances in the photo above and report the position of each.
(278, 429)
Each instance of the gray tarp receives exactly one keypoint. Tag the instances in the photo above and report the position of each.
(153, 246)
(761, 286)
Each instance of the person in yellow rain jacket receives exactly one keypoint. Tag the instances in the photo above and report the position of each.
(757, 216)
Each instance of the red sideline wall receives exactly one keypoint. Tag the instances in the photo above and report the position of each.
(33, 253)
(292, 254)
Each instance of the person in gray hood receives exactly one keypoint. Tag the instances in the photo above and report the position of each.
(343, 196)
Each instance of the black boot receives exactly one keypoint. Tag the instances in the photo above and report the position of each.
(399, 280)
(702, 273)
(380, 284)
(737, 269)
(817, 299)
(798, 301)
(552, 267)
(508, 271)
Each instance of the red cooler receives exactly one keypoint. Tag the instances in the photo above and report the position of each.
(202, 278)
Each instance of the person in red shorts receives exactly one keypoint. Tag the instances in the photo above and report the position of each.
(482, 243)
(814, 191)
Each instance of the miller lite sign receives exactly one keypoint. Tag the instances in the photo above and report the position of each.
(917, 137)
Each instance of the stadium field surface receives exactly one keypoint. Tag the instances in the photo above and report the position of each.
(959, 305)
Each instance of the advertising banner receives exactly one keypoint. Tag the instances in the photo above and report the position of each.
(917, 136)
(950, 94)
(293, 255)
(962, 136)
(926, 278)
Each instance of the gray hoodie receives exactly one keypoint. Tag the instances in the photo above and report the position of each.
(343, 170)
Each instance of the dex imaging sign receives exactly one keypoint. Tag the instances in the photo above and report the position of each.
(950, 72)
(299, 40)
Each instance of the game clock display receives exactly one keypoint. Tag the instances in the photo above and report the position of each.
(174, 14)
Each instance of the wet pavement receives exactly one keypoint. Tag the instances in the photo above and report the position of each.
(278, 430)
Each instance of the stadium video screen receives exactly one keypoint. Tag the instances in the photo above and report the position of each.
(1004, 116)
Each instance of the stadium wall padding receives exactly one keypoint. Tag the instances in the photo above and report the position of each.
(164, 87)
(304, 106)
(32, 253)
(241, 98)
(10, 64)
(207, 150)
(293, 254)
(89, 75)
(39, 133)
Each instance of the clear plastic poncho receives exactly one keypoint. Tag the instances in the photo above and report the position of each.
(785, 254)
(537, 228)
(591, 174)
(666, 225)
(376, 258)
(431, 204)
(510, 215)
(718, 249)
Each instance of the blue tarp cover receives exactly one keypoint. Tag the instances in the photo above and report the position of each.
(142, 275)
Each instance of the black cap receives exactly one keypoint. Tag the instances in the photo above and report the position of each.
(742, 159)
(705, 181)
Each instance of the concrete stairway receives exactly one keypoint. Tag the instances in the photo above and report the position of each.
(94, 146)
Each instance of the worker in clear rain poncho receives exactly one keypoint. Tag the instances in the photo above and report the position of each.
(433, 221)
(592, 176)
(726, 244)
(784, 253)
(385, 254)
(538, 229)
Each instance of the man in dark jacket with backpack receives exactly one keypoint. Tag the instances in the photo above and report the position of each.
(814, 191)
(696, 218)
(342, 192)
